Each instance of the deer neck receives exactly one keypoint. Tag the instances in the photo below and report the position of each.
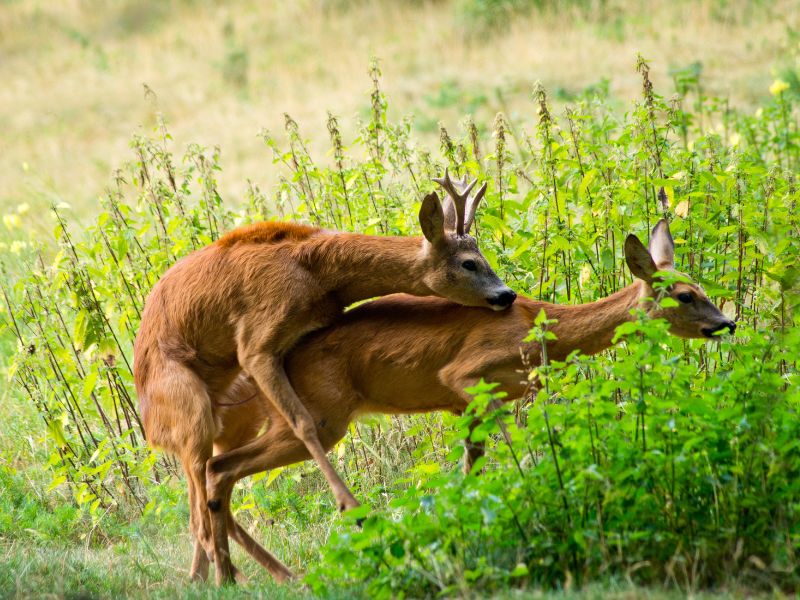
(590, 327)
(356, 267)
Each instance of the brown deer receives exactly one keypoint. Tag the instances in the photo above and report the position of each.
(242, 302)
(401, 354)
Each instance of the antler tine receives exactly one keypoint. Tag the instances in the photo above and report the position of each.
(447, 202)
(458, 200)
(469, 219)
(465, 191)
(449, 213)
(471, 205)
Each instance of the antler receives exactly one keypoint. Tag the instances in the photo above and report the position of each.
(459, 212)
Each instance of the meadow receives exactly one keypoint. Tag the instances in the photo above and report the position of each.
(660, 468)
(82, 77)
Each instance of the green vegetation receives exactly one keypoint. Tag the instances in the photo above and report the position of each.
(662, 462)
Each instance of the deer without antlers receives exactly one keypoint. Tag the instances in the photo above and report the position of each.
(242, 302)
(401, 355)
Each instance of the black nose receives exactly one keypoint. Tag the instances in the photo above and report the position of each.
(505, 298)
(731, 326)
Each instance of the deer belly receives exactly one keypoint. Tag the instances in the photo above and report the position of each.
(400, 390)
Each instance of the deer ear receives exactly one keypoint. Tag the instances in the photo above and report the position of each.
(662, 248)
(431, 219)
(639, 260)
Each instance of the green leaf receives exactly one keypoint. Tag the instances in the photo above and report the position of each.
(397, 550)
(586, 181)
(89, 383)
(56, 431)
(61, 479)
(273, 475)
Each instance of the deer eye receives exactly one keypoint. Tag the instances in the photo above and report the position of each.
(470, 265)
(685, 297)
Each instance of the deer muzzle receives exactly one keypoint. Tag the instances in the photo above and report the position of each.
(710, 331)
(502, 300)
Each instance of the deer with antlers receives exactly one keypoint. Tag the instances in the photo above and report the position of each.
(242, 302)
(401, 355)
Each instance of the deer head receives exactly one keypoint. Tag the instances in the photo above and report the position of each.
(695, 316)
(455, 268)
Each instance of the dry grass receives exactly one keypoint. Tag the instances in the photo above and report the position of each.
(73, 71)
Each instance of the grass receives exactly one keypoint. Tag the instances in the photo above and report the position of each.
(73, 73)
(142, 568)
(153, 566)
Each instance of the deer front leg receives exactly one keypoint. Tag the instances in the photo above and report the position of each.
(269, 374)
(277, 447)
(465, 372)
(474, 450)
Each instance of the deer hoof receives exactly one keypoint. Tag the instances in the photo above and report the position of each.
(239, 577)
(348, 504)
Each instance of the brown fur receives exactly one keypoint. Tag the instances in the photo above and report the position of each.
(241, 304)
(402, 355)
(266, 233)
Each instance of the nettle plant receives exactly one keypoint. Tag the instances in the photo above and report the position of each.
(660, 459)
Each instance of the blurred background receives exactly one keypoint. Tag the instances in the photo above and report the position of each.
(80, 78)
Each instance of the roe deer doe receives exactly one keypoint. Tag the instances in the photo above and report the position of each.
(242, 302)
(401, 354)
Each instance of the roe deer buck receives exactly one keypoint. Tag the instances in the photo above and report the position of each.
(242, 302)
(401, 355)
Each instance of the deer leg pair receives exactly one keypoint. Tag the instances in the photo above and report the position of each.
(191, 433)
(271, 378)
(268, 372)
(201, 529)
(276, 568)
(276, 448)
(194, 465)
(234, 529)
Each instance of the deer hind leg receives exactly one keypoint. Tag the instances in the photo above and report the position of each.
(199, 568)
(270, 376)
(200, 562)
(275, 567)
(180, 420)
(199, 523)
(276, 448)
